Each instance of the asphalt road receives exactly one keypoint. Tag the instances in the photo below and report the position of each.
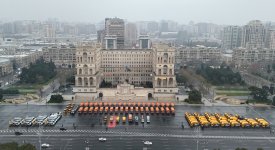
(164, 130)
(90, 142)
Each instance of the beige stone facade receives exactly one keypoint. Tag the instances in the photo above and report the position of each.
(199, 53)
(243, 57)
(127, 70)
(61, 56)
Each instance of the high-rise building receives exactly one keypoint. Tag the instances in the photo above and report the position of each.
(130, 34)
(115, 27)
(164, 26)
(253, 35)
(152, 26)
(272, 39)
(231, 37)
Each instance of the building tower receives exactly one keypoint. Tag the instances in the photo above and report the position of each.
(164, 79)
(87, 78)
(253, 35)
(232, 36)
(144, 42)
(115, 27)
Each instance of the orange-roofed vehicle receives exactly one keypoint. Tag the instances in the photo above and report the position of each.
(96, 109)
(162, 110)
(121, 109)
(105, 104)
(111, 109)
(148, 104)
(142, 110)
(119, 104)
(110, 104)
(134, 104)
(114, 104)
(81, 104)
(167, 104)
(157, 104)
(106, 110)
(131, 109)
(126, 109)
(80, 110)
(91, 104)
(157, 110)
(91, 110)
(101, 110)
(167, 110)
(136, 109)
(138, 104)
(147, 110)
(162, 104)
(172, 110)
(86, 109)
(95, 104)
(172, 104)
(124, 104)
(153, 104)
(100, 104)
(86, 104)
(116, 109)
(152, 109)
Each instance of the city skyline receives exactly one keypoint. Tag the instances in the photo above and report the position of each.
(212, 11)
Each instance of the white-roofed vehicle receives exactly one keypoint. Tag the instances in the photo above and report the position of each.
(16, 121)
(40, 120)
(147, 143)
(28, 121)
(53, 119)
(102, 139)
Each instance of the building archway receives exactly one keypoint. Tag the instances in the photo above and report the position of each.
(100, 95)
(80, 81)
(150, 96)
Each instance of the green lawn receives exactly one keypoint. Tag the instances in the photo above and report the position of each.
(232, 92)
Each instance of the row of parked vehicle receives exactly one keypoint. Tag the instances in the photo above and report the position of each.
(50, 120)
(143, 104)
(131, 119)
(71, 108)
(126, 109)
(224, 120)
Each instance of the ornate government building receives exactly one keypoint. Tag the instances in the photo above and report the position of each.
(142, 73)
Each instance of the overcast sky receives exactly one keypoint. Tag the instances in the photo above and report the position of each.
(214, 11)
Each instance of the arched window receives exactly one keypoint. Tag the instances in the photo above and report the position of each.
(159, 72)
(80, 71)
(158, 60)
(165, 67)
(159, 82)
(91, 81)
(85, 57)
(165, 57)
(85, 69)
(86, 82)
(79, 81)
(170, 72)
(165, 83)
(171, 81)
(91, 71)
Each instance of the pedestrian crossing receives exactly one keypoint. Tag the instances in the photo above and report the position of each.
(126, 133)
